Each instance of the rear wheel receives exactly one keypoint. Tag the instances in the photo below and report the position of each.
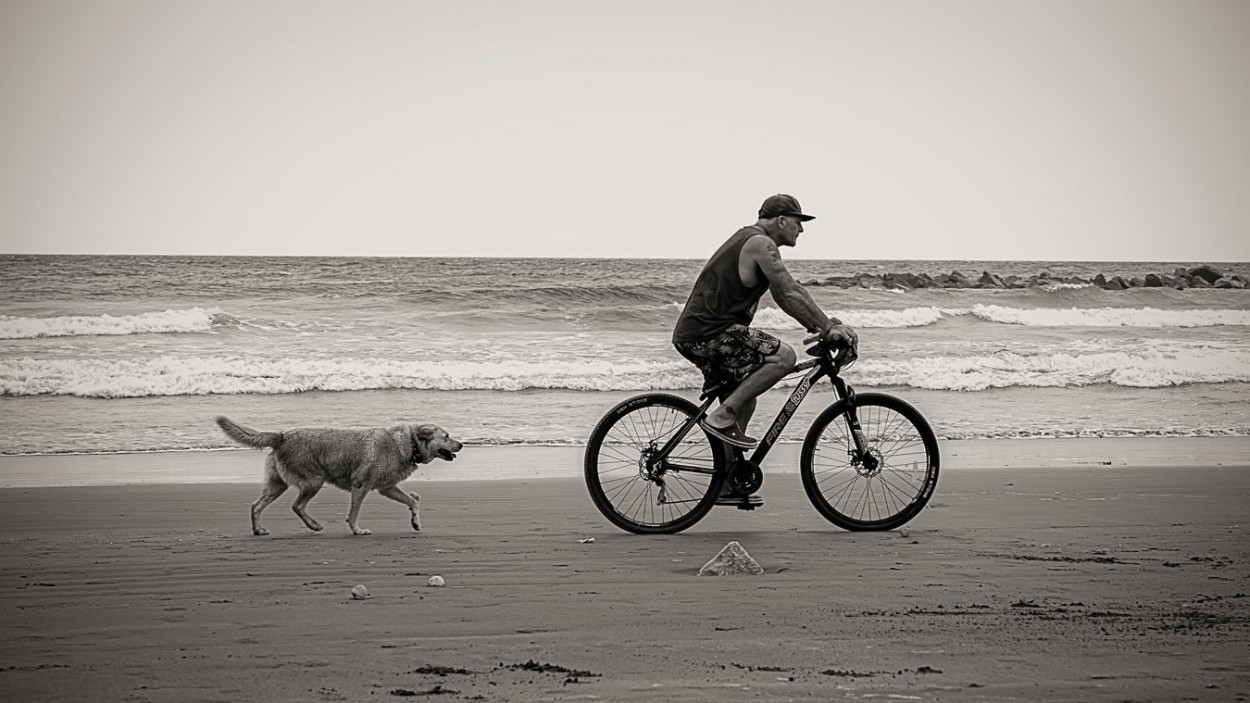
(886, 485)
(639, 494)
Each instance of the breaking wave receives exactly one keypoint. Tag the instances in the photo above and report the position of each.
(227, 375)
(1008, 369)
(773, 318)
(173, 376)
(202, 320)
(1110, 317)
(166, 321)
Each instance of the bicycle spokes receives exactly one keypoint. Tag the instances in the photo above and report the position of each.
(645, 468)
(870, 465)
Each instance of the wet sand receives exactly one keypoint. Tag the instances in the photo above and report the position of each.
(1058, 583)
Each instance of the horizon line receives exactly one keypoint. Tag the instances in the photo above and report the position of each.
(599, 258)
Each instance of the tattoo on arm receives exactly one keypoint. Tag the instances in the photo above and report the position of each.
(799, 304)
(790, 295)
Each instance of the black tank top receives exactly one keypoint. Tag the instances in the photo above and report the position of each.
(719, 299)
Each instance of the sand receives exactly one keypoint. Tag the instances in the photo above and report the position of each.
(1059, 583)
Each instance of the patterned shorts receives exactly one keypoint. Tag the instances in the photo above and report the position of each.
(730, 356)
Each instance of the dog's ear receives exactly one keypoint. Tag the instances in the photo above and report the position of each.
(408, 435)
(421, 435)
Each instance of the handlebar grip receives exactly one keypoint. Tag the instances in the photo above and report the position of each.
(814, 345)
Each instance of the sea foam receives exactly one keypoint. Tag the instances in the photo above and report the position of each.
(165, 321)
(170, 376)
(1110, 317)
(1005, 369)
(166, 376)
(774, 319)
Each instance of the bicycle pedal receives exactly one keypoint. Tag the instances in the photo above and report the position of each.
(742, 502)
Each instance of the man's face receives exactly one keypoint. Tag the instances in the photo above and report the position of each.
(790, 228)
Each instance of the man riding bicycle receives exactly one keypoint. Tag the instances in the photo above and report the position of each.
(714, 332)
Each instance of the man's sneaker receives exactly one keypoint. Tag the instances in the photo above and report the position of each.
(729, 435)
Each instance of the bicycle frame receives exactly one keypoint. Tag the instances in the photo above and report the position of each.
(820, 367)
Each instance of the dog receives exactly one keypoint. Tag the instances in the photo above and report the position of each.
(357, 461)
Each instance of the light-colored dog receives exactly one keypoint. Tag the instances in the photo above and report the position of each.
(358, 461)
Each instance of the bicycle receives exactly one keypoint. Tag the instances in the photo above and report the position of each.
(869, 460)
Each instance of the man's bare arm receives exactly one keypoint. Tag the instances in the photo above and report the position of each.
(790, 295)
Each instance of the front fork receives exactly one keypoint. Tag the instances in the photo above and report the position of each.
(863, 456)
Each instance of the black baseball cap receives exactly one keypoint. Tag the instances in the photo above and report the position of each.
(782, 204)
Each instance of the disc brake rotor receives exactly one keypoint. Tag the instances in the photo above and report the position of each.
(873, 465)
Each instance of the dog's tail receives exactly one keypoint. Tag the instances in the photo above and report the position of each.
(247, 435)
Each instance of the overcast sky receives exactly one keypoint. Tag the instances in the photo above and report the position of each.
(998, 129)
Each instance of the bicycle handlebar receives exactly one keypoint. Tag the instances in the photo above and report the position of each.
(833, 348)
(823, 345)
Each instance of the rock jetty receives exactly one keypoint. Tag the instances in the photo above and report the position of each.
(1204, 276)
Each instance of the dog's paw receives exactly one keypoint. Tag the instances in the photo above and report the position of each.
(316, 527)
(416, 524)
(259, 531)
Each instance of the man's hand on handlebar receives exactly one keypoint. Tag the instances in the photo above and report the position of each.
(841, 337)
(845, 338)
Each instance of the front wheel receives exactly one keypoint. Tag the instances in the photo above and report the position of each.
(634, 489)
(886, 484)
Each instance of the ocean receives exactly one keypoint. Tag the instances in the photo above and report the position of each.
(108, 354)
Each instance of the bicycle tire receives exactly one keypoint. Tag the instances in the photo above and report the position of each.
(616, 474)
(849, 495)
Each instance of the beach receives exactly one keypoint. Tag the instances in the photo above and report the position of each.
(1103, 570)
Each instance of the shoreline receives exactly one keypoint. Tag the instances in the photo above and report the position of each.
(502, 462)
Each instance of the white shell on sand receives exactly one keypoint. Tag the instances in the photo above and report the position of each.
(437, 581)
(359, 592)
(733, 560)
(904, 531)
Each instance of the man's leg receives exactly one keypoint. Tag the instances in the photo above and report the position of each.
(745, 413)
(740, 404)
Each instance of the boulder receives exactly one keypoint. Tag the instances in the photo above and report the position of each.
(733, 560)
(897, 280)
(1154, 280)
(1115, 283)
(958, 280)
(1206, 272)
(989, 280)
(1100, 281)
(1230, 282)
